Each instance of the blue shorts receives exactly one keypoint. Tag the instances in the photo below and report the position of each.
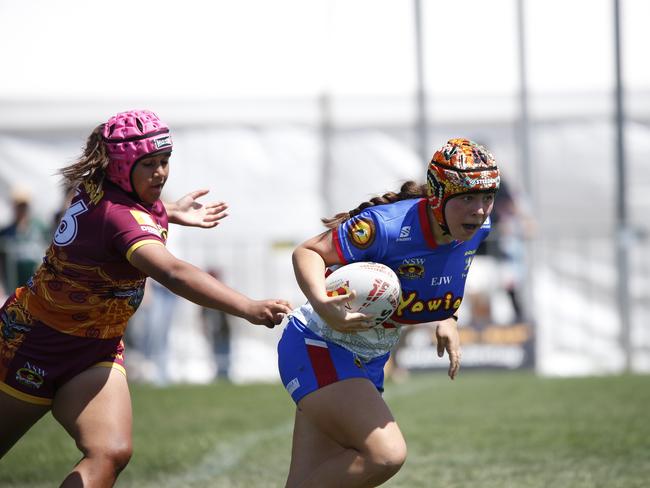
(308, 362)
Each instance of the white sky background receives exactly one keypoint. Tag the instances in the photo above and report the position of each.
(295, 48)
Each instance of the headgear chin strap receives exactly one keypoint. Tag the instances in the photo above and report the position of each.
(460, 166)
(129, 137)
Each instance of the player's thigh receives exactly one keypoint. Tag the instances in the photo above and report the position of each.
(353, 414)
(95, 408)
(16, 418)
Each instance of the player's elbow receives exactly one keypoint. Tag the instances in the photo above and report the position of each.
(173, 276)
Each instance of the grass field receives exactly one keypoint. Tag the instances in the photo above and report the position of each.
(487, 430)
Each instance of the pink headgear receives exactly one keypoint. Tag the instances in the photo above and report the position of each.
(129, 137)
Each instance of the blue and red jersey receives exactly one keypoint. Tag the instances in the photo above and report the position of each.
(432, 276)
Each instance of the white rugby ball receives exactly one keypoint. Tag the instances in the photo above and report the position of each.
(376, 285)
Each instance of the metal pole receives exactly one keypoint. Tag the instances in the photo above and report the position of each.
(421, 126)
(524, 117)
(623, 234)
(525, 165)
(326, 153)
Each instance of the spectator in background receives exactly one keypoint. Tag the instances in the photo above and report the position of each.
(217, 332)
(22, 243)
(157, 324)
(511, 225)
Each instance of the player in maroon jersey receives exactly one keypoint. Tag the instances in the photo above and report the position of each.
(61, 335)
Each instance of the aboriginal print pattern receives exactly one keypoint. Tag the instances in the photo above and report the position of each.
(461, 166)
(15, 322)
(82, 300)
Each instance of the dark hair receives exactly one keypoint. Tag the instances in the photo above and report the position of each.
(409, 189)
(90, 166)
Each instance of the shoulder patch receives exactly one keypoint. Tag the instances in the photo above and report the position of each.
(142, 218)
(361, 232)
(148, 224)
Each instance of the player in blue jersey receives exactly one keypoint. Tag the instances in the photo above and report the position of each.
(331, 361)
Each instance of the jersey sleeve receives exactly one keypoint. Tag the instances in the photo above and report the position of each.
(361, 238)
(128, 229)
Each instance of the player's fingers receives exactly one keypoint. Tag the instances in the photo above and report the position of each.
(208, 225)
(214, 217)
(454, 364)
(340, 299)
(282, 306)
(199, 193)
(442, 342)
(278, 317)
(216, 207)
(357, 317)
(356, 322)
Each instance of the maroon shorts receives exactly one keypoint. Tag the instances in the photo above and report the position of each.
(36, 360)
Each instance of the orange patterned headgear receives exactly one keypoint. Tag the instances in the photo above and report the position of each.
(460, 166)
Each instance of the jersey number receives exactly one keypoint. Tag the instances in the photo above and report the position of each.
(67, 230)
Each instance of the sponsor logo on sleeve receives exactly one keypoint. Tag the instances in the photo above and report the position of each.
(148, 224)
(404, 234)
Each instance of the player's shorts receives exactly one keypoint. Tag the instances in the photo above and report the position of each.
(36, 360)
(308, 362)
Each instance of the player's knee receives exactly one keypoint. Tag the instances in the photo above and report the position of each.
(113, 455)
(388, 456)
(120, 455)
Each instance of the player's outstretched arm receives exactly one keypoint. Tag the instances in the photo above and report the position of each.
(449, 340)
(189, 211)
(188, 281)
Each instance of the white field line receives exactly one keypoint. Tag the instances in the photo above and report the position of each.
(226, 455)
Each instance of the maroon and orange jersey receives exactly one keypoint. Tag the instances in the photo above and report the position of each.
(86, 285)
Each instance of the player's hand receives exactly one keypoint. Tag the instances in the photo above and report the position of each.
(333, 310)
(189, 211)
(268, 312)
(449, 340)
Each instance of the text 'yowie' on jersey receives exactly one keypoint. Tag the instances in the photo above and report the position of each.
(432, 276)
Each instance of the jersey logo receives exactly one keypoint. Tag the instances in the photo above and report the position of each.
(147, 224)
(142, 218)
(411, 271)
(404, 234)
(361, 232)
(30, 375)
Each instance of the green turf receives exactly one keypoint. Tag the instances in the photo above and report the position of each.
(488, 430)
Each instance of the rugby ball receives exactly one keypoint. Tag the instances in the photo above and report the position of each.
(376, 285)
